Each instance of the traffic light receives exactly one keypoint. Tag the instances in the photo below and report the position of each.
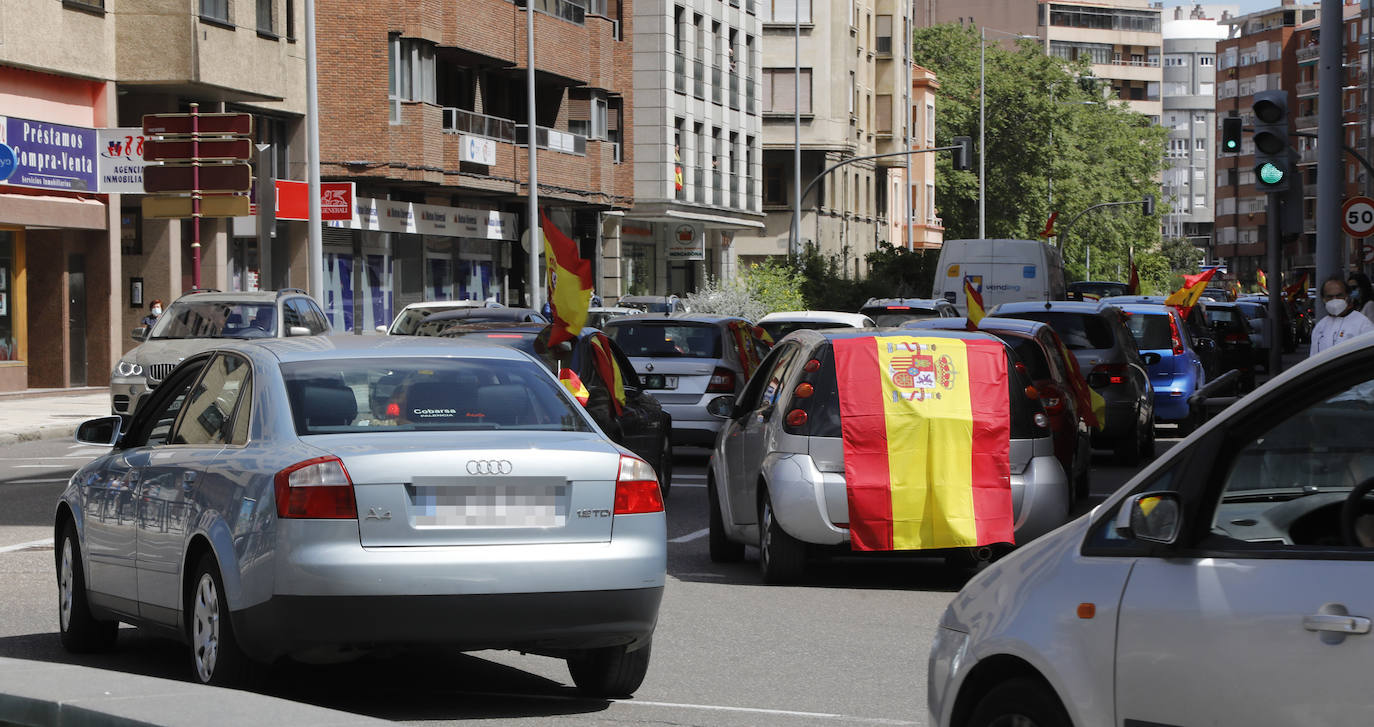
(963, 156)
(1147, 205)
(1230, 134)
(1272, 164)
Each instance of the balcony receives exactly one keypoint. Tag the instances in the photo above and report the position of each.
(1307, 122)
(717, 84)
(545, 138)
(1309, 53)
(751, 101)
(1307, 88)
(1309, 156)
(699, 79)
(734, 90)
(462, 121)
(680, 73)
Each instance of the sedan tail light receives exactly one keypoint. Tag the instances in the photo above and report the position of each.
(636, 488)
(722, 381)
(1052, 399)
(1107, 374)
(317, 488)
(1236, 338)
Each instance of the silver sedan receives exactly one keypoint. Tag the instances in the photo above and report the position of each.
(319, 497)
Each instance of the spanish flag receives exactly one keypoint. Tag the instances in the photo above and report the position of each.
(1096, 413)
(744, 346)
(609, 372)
(677, 170)
(1193, 285)
(974, 299)
(573, 383)
(1262, 278)
(1294, 291)
(569, 283)
(926, 433)
(1133, 283)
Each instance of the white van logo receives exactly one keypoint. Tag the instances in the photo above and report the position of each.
(976, 281)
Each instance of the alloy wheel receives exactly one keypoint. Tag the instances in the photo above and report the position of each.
(205, 627)
(66, 589)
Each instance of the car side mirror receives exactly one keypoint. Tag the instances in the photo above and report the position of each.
(382, 329)
(1152, 517)
(139, 334)
(104, 431)
(721, 406)
(1150, 358)
(298, 331)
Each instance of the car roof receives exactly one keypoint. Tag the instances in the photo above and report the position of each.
(1223, 305)
(1146, 308)
(245, 296)
(1119, 299)
(648, 298)
(829, 316)
(833, 334)
(327, 348)
(615, 309)
(910, 302)
(1068, 306)
(989, 323)
(451, 304)
(680, 318)
(498, 314)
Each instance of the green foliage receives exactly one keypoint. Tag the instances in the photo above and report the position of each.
(1047, 134)
(760, 290)
(892, 272)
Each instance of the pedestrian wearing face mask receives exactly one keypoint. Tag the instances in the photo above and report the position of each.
(154, 312)
(1342, 322)
(1362, 294)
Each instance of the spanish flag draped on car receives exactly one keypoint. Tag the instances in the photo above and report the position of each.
(926, 433)
(570, 283)
(609, 372)
(974, 301)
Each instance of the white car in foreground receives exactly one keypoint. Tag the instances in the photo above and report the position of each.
(1229, 583)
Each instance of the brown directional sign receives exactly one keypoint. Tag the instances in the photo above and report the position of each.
(228, 205)
(212, 124)
(213, 178)
(181, 150)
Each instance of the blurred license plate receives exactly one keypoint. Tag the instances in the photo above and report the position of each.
(659, 381)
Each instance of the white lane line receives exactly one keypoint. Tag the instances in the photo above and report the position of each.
(26, 546)
(688, 484)
(689, 475)
(690, 536)
(711, 708)
(59, 466)
(36, 482)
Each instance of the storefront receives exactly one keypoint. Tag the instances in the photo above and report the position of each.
(391, 254)
(663, 258)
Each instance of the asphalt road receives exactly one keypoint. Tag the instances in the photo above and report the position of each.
(847, 647)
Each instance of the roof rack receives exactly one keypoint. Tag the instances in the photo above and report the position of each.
(281, 291)
(202, 290)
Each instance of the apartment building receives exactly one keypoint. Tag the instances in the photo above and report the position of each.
(1189, 100)
(1259, 54)
(426, 113)
(857, 83)
(78, 263)
(698, 144)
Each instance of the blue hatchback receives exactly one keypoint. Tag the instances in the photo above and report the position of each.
(1179, 373)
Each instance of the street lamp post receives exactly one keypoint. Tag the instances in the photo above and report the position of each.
(982, 122)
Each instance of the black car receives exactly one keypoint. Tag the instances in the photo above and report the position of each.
(1231, 329)
(1288, 319)
(639, 423)
(1095, 289)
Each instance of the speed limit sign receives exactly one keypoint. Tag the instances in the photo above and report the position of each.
(1357, 217)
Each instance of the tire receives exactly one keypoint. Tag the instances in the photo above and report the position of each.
(81, 632)
(723, 550)
(1127, 449)
(1147, 450)
(216, 659)
(782, 558)
(665, 466)
(610, 673)
(1020, 702)
(1082, 485)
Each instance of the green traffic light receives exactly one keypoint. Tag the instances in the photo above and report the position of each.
(1230, 145)
(1270, 173)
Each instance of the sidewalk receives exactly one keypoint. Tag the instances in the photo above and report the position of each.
(25, 417)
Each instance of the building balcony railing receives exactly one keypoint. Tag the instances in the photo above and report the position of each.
(700, 188)
(1308, 53)
(699, 79)
(1307, 122)
(1307, 88)
(751, 102)
(679, 73)
(552, 139)
(1309, 156)
(573, 11)
(1146, 63)
(734, 90)
(717, 84)
(462, 121)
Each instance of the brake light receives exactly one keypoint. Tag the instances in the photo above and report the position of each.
(811, 366)
(1236, 338)
(796, 418)
(899, 307)
(1106, 374)
(636, 488)
(722, 381)
(1175, 340)
(1032, 393)
(317, 488)
(804, 390)
(1052, 399)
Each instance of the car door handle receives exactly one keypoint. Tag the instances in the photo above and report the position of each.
(1337, 623)
(187, 478)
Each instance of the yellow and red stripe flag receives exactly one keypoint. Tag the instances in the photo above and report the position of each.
(573, 383)
(974, 299)
(926, 434)
(1193, 285)
(610, 373)
(1262, 279)
(569, 282)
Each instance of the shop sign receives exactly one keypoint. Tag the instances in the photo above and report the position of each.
(687, 244)
(121, 160)
(50, 156)
(336, 200)
(637, 231)
(477, 149)
(429, 219)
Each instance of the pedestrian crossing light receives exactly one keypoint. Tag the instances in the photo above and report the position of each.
(1272, 162)
(1231, 127)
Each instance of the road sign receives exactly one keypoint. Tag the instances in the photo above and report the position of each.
(221, 205)
(1357, 217)
(207, 124)
(155, 150)
(213, 178)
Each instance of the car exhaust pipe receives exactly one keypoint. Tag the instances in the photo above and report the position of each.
(983, 554)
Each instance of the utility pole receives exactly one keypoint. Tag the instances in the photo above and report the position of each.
(1329, 165)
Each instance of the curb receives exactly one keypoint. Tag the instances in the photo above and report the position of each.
(42, 431)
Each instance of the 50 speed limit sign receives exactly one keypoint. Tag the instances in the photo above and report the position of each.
(1357, 217)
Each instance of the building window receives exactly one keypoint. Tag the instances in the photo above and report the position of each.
(215, 10)
(265, 24)
(930, 124)
(1204, 60)
(774, 190)
(853, 93)
(98, 4)
(884, 113)
(785, 11)
(883, 44)
(778, 91)
(411, 73)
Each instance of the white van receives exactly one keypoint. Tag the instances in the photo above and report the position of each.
(1003, 271)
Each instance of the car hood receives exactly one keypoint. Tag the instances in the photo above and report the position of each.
(170, 350)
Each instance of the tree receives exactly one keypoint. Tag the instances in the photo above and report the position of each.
(1047, 134)
(762, 289)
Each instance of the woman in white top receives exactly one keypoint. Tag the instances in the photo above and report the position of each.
(1342, 322)
(1362, 294)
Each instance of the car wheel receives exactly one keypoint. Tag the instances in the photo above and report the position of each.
(723, 549)
(782, 558)
(1019, 703)
(610, 673)
(1127, 449)
(1082, 484)
(215, 654)
(1147, 449)
(81, 632)
(665, 466)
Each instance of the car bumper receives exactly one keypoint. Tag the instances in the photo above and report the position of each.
(1121, 420)
(947, 656)
(692, 425)
(125, 393)
(1171, 399)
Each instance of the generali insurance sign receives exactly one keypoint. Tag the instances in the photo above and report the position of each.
(336, 200)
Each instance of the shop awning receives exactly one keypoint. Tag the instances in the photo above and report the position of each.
(40, 210)
(714, 222)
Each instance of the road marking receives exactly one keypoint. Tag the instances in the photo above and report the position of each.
(688, 484)
(711, 708)
(26, 546)
(41, 466)
(690, 475)
(36, 482)
(690, 536)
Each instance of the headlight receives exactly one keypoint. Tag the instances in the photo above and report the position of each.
(128, 368)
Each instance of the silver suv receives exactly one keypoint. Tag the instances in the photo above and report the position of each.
(777, 477)
(201, 320)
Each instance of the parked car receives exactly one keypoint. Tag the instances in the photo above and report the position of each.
(1179, 373)
(1288, 318)
(653, 303)
(1198, 330)
(436, 323)
(638, 422)
(1095, 289)
(1261, 338)
(258, 506)
(414, 314)
(784, 322)
(200, 320)
(1002, 271)
(1054, 373)
(1176, 600)
(1096, 334)
(893, 312)
(1219, 295)
(778, 481)
(1232, 331)
(687, 360)
(597, 315)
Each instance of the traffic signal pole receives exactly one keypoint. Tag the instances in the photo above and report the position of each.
(1330, 170)
(1272, 218)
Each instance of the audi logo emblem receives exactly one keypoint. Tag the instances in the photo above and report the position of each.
(489, 466)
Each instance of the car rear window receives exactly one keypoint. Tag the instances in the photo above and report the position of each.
(1029, 353)
(1078, 331)
(1151, 331)
(1255, 311)
(895, 317)
(665, 339)
(782, 328)
(1223, 317)
(216, 319)
(407, 394)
